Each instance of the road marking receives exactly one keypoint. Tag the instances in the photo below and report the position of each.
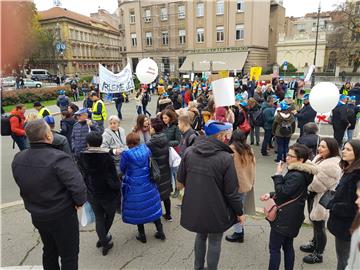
(11, 204)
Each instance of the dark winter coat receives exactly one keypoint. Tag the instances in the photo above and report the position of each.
(78, 136)
(343, 208)
(355, 92)
(211, 201)
(305, 115)
(279, 118)
(353, 111)
(187, 139)
(100, 174)
(61, 143)
(295, 182)
(50, 182)
(159, 147)
(253, 112)
(341, 116)
(173, 134)
(66, 128)
(311, 141)
(269, 115)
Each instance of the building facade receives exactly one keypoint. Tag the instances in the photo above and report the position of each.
(200, 36)
(87, 42)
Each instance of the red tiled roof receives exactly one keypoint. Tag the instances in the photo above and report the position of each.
(57, 12)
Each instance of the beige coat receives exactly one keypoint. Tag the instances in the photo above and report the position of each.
(329, 172)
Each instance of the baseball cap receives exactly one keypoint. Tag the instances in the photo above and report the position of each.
(49, 119)
(213, 127)
(306, 96)
(37, 104)
(243, 103)
(343, 97)
(284, 106)
(238, 97)
(82, 111)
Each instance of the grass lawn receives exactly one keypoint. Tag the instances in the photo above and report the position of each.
(30, 105)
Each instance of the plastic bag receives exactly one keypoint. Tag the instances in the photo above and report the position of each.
(174, 158)
(87, 215)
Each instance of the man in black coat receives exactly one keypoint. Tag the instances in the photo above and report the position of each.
(211, 202)
(356, 92)
(52, 189)
(305, 115)
(341, 119)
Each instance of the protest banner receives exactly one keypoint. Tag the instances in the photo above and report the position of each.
(115, 83)
(255, 72)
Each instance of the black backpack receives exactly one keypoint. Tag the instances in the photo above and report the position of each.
(285, 127)
(6, 126)
(258, 118)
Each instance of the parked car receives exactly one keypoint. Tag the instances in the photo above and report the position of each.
(32, 84)
(8, 82)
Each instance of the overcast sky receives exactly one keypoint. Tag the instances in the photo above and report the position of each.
(293, 7)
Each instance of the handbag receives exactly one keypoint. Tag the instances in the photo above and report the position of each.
(271, 208)
(327, 199)
(174, 158)
(87, 214)
(245, 126)
(154, 171)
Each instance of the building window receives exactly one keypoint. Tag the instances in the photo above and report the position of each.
(148, 36)
(181, 12)
(147, 17)
(166, 63)
(163, 14)
(239, 32)
(240, 5)
(181, 60)
(182, 38)
(165, 38)
(220, 33)
(220, 7)
(357, 8)
(200, 35)
(132, 17)
(300, 27)
(200, 10)
(133, 40)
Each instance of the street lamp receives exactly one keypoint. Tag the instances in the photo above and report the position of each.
(316, 44)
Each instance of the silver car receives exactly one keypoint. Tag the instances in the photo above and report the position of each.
(32, 84)
(8, 82)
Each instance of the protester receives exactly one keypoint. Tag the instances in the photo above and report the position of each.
(244, 160)
(119, 100)
(59, 141)
(310, 137)
(42, 111)
(207, 171)
(344, 90)
(268, 92)
(66, 126)
(258, 95)
(268, 111)
(283, 127)
(194, 114)
(329, 172)
(72, 109)
(356, 92)
(56, 191)
(98, 111)
(343, 207)
(103, 186)
(142, 128)
(188, 135)
(253, 112)
(63, 101)
(171, 130)
(138, 100)
(305, 115)
(341, 117)
(88, 103)
(81, 128)
(141, 199)
(145, 101)
(353, 111)
(290, 187)
(114, 139)
(17, 121)
(159, 147)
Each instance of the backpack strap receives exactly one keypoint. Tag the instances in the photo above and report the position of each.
(291, 201)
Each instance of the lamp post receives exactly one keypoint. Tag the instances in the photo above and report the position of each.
(316, 44)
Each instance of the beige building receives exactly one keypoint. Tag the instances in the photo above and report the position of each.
(88, 42)
(200, 36)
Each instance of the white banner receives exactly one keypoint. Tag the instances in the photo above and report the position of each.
(310, 72)
(115, 83)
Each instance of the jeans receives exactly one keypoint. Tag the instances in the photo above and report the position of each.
(118, 108)
(283, 147)
(139, 110)
(266, 141)
(255, 131)
(173, 177)
(350, 134)
(239, 228)
(104, 216)
(339, 133)
(20, 141)
(278, 241)
(320, 238)
(167, 205)
(101, 126)
(214, 249)
(61, 239)
(342, 253)
(146, 111)
(157, 223)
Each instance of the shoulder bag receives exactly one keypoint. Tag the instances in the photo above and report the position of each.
(271, 208)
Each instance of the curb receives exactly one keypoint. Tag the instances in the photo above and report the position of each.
(11, 204)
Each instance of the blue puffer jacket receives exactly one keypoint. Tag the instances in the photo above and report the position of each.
(141, 199)
(78, 136)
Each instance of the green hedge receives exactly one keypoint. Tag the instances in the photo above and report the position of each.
(14, 97)
(88, 79)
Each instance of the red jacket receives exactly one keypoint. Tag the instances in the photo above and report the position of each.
(187, 97)
(17, 125)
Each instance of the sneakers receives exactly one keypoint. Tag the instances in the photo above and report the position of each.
(235, 237)
(160, 235)
(313, 258)
(265, 154)
(309, 248)
(168, 218)
(141, 237)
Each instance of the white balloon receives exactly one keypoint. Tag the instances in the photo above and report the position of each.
(147, 70)
(324, 97)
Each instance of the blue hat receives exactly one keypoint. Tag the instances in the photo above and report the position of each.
(50, 120)
(243, 103)
(343, 97)
(238, 97)
(165, 95)
(213, 127)
(284, 106)
(306, 96)
(353, 98)
(62, 92)
(82, 111)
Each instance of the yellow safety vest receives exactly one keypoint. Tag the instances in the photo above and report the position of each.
(98, 117)
(41, 112)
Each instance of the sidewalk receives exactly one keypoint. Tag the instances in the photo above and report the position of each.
(21, 245)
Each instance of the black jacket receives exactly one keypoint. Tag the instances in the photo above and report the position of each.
(173, 134)
(341, 116)
(61, 143)
(159, 147)
(343, 209)
(211, 201)
(66, 128)
(305, 115)
(50, 182)
(295, 182)
(187, 139)
(100, 174)
(355, 92)
(311, 141)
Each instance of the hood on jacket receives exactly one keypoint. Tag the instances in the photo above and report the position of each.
(160, 140)
(284, 115)
(307, 167)
(165, 101)
(209, 146)
(94, 158)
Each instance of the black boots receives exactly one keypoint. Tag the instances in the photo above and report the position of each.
(160, 235)
(141, 237)
(107, 247)
(313, 258)
(235, 237)
(309, 248)
(108, 237)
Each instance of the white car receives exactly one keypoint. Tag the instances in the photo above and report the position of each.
(32, 84)
(8, 82)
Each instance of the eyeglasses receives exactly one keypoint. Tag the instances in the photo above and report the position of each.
(292, 156)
